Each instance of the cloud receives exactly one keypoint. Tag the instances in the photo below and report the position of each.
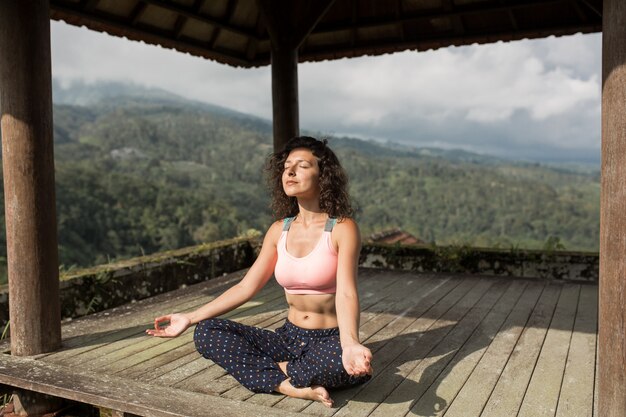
(480, 97)
(79, 53)
(500, 98)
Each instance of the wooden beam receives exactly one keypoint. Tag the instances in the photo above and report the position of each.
(457, 12)
(592, 7)
(423, 43)
(122, 394)
(89, 5)
(137, 12)
(308, 16)
(612, 302)
(182, 20)
(103, 22)
(191, 13)
(458, 27)
(230, 8)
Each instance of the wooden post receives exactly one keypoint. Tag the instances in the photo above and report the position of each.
(285, 105)
(28, 169)
(612, 302)
(288, 23)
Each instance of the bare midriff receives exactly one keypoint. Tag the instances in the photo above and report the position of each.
(312, 311)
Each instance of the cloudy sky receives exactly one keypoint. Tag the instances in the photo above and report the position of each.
(537, 100)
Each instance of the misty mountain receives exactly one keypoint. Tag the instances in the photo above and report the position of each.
(140, 170)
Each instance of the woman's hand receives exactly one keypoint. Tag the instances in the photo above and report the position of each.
(170, 325)
(357, 360)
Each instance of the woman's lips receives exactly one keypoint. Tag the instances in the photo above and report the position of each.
(291, 182)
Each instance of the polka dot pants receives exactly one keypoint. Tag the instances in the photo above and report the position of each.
(251, 354)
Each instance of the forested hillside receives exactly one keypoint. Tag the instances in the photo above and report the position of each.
(147, 172)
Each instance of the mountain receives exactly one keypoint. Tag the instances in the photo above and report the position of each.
(140, 170)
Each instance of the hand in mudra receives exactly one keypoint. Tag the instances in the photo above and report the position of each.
(170, 325)
(357, 360)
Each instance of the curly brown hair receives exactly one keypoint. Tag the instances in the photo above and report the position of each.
(333, 181)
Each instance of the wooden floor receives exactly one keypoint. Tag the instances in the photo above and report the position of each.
(450, 345)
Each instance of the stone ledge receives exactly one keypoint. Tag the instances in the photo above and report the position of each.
(559, 265)
(105, 286)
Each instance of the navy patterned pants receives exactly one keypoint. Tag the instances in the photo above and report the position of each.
(251, 354)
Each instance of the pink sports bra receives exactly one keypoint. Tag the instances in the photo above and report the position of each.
(315, 273)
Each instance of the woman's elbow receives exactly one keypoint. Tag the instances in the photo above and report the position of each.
(346, 297)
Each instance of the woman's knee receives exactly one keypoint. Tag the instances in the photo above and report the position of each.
(329, 374)
(205, 333)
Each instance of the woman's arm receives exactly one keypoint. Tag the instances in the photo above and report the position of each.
(256, 277)
(356, 357)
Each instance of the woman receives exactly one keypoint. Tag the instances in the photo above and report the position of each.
(313, 251)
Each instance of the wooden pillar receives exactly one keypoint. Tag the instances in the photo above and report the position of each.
(28, 169)
(612, 302)
(285, 105)
(288, 23)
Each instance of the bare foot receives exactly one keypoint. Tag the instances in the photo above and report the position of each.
(315, 393)
(319, 393)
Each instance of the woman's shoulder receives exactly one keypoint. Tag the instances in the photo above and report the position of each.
(347, 228)
(274, 231)
(346, 223)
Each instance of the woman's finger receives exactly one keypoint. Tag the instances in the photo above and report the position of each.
(160, 320)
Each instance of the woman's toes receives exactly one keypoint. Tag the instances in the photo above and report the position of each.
(322, 395)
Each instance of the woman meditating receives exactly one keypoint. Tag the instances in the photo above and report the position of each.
(313, 252)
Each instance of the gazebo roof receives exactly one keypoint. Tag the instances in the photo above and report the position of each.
(234, 32)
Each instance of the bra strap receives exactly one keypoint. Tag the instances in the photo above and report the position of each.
(330, 223)
(287, 223)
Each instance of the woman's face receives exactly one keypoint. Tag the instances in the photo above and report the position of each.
(301, 174)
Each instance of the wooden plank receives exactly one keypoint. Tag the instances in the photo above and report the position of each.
(370, 298)
(121, 359)
(426, 296)
(181, 373)
(135, 313)
(403, 352)
(200, 369)
(422, 376)
(142, 355)
(239, 393)
(449, 382)
(399, 304)
(189, 365)
(175, 373)
(213, 380)
(121, 394)
(476, 391)
(542, 395)
(161, 364)
(391, 342)
(96, 354)
(148, 359)
(595, 383)
(102, 327)
(511, 386)
(576, 396)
